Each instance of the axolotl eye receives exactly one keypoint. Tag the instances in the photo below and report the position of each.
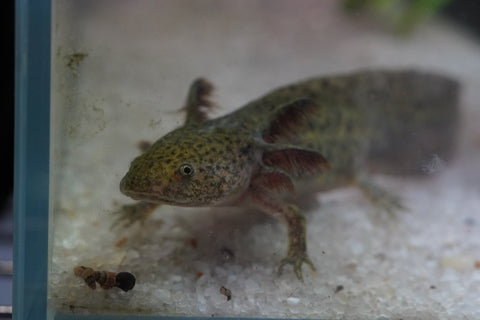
(186, 170)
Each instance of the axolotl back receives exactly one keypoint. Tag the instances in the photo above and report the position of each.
(328, 131)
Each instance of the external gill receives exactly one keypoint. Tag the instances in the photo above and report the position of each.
(198, 101)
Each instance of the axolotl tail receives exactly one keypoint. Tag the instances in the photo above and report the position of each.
(417, 130)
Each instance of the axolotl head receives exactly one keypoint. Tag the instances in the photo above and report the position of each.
(189, 167)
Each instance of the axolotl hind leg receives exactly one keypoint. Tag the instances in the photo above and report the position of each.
(380, 198)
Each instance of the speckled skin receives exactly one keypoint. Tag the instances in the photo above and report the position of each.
(329, 129)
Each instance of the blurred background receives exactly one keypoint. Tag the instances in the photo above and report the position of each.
(397, 16)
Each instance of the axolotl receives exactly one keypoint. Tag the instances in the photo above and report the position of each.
(322, 133)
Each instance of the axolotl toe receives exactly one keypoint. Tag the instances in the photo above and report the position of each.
(328, 130)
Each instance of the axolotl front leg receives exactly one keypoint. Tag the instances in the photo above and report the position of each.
(295, 222)
(278, 165)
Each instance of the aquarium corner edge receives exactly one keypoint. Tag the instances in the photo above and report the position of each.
(31, 157)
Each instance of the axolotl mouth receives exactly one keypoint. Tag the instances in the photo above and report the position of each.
(152, 196)
(137, 189)
(149, 197)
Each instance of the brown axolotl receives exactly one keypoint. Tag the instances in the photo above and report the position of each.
(326, 132)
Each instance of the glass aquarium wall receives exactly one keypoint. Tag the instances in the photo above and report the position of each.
(31, 172)
(352, 193)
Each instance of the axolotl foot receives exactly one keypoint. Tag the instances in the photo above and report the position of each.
(128, 214)
(296, 259)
